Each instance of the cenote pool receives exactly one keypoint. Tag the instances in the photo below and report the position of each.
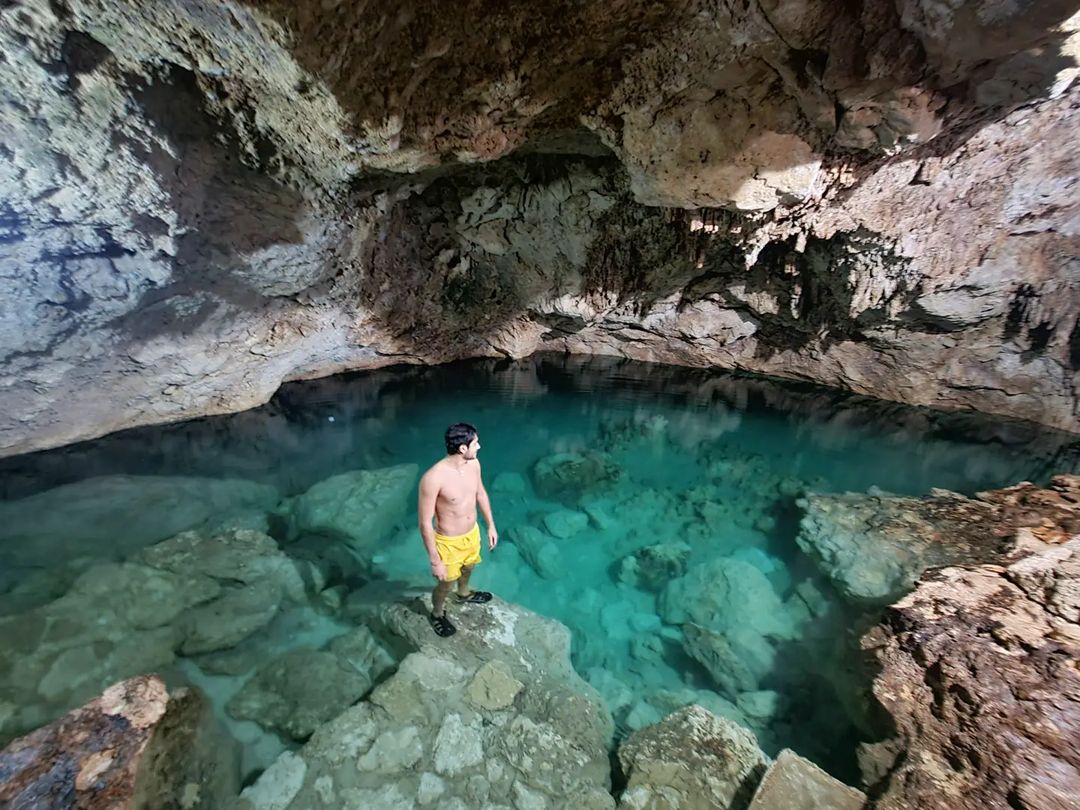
(649, 509)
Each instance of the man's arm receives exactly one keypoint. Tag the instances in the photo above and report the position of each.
(484, 503)
(429, 493)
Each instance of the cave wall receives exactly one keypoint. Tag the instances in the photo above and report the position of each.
(202, 200)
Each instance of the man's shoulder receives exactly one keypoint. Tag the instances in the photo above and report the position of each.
(434, 473)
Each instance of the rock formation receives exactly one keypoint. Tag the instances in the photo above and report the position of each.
(979, 674)
(205, 199)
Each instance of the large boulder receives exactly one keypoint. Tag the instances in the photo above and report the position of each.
(136, 746)
(111, 516)
(978, 671)
(692, 760)
(493, 717)
(358, 507)
(540, 550)
(727, 594)
(736, 660)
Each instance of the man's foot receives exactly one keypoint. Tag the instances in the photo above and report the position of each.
(476, 597)
(441, 625)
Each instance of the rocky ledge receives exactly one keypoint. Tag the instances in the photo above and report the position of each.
(875, 547)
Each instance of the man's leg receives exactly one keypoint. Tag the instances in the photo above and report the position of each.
(438, 597)
(463, 581)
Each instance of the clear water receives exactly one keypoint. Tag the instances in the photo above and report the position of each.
(710, 460)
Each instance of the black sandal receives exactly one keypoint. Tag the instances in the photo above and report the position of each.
(441, 625)
(475, 598)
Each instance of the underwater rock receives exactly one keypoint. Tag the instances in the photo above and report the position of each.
(692, 760)
(727, 593)
(565, 523)
(978, 671)
(874, 548)
(358, 507)
(567, 476)
(653, 567)
(111, 516)
(492, 717)
(136, 746)
(795, 783)
(736, 660)
(539, 550)
(297, 691)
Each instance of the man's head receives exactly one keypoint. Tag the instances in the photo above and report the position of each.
(462, 440)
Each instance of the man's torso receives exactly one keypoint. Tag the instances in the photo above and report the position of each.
(455, 505)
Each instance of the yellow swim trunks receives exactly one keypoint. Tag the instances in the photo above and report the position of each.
(462, 549)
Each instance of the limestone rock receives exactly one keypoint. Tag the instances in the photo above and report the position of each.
(724, 594)
(971, 662)
(652, 567)
(795, 783)
(134, 746)
(493, 717)
(874, 548)
(539, 550)
(564, 524)
(691, 760)
(360, 507)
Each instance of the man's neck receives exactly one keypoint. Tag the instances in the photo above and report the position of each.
(458, 463)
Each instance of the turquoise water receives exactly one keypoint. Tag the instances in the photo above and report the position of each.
(681, 509)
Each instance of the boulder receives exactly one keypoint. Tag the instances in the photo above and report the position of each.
(135, 746)
(565, 523)
(691, 760)
(567, 476)
(727, 593)
(359, 508)
(795, 783)
(737, 660)
(539, 550)
(653, 567)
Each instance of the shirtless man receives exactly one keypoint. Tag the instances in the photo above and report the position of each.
(450, 492)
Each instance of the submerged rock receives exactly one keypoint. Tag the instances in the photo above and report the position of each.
(111, 516)
(539, 550)
(567, 476)
(874, 548)
(692, 760)
(359, 507)
(653, 567)
(494, 716)
(136, 746)
(978, 671)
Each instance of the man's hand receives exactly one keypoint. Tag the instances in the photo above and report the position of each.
(438, 568)
(493, 538)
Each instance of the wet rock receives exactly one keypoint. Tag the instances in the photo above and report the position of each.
(737, 660)
(115, 515)
(359, 507)
(653, 567)
(567, 476)
(795, 783)
(134, 746)
(232, 617)
(875, 548)
(978, 673)
(691, 760)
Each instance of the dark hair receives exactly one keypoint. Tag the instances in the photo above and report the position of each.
(457, 435)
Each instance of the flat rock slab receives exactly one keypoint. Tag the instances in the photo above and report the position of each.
(795, 783)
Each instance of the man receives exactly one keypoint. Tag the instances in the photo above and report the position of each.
(450, 492)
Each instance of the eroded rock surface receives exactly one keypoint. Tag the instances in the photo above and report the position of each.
(215, 198)
(493, 717)
(979, 674)
(876, 547)
(135, 746)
